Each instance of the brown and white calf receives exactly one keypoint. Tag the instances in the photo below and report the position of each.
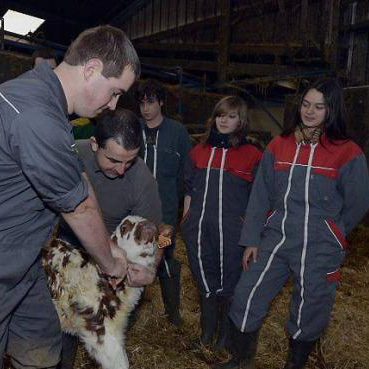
(86, 303)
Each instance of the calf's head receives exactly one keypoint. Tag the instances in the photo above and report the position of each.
(138, 238)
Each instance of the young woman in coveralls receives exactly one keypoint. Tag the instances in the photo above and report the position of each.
(310, 191)
(218, 179)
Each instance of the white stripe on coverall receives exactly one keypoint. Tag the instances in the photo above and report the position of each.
(200, 222)
(6, 100)
(155, 151)
(306, 223)
(276, 248)
(155, 147)
(220, 218)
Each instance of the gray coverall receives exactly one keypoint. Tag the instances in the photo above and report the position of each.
(39, 177)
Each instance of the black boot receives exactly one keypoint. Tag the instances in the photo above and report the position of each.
(243, 347)
(223, 328)
(170, 291)
(69, 351)
(208, 318)
(298, 354)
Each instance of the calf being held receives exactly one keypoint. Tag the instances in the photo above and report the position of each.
(86, 303)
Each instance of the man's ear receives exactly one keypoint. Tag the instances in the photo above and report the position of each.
(92, 67)
(94, 144)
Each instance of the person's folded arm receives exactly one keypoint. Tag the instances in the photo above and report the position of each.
(86, 222)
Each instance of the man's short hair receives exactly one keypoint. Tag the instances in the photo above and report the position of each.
(107, 43)
(121, 125)
(151, 88)
(44, 53)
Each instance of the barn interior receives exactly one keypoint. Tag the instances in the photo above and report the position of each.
(266, 51)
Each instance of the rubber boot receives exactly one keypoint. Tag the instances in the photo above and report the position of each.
(243, 348)
(298, 354)
(69, 351)
(170, 291)
(223, 338)
(208, 318)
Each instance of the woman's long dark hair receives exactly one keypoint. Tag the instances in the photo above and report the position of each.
(336, 118)
(224, 106)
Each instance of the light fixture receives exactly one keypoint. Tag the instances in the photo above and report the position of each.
(20, 23)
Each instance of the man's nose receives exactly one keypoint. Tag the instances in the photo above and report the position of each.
(121, 168)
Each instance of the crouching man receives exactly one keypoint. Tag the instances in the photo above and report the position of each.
(123, 186)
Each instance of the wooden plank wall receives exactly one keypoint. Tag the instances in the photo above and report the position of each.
(338, 28)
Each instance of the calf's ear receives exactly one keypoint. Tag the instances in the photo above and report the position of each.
(166, 230)
(126, 227)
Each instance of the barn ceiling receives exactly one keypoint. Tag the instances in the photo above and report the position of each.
(65, 19)
(257, 42)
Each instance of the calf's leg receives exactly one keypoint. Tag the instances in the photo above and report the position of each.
(111, 354)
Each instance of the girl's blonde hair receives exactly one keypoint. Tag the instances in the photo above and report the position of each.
(224, 106)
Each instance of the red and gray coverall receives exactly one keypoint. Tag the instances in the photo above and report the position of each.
(219, 182)
(314, 194)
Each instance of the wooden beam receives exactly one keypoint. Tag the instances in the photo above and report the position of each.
(282, 6)
(304, 28)
(205, 66)
(127, 12)
(331, 32)
(304, 19)
(234, 49)
(233, 69)
(152, 16)
(357, 27)
(224, 38)
(209, 22)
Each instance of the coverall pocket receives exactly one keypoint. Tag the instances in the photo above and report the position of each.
(171, 159)
(334, 276)
(325, 191)
(270, 215)
(336, 234)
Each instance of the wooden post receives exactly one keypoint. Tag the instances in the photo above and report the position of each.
(305, 28)
(331, 16)
(224, 39)
(152, 16)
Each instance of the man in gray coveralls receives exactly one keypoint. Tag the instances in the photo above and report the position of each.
(40, 178)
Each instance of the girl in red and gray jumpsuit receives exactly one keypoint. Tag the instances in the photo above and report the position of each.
(218, 179)
(311, 190)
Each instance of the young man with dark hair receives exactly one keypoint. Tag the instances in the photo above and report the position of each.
(44, 54)
(40, 178)
(165, 146)
(123, 186)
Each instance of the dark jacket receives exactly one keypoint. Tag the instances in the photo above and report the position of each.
(173, 144)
